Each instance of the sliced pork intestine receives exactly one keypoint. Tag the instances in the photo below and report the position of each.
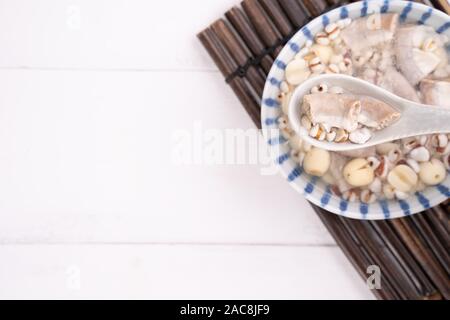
(436, 92)
(376, 114)
(385, 75)
(395, 82)
(346, 111)
(392, 81)
(334, 110)
(361, 34)
(414, 63)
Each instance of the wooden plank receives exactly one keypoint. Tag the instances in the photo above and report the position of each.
(106, 34)
(177, 272)
(87, 157)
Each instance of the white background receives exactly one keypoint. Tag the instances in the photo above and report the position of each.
(91, 205)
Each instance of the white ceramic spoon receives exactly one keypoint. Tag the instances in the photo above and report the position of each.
(416, 119)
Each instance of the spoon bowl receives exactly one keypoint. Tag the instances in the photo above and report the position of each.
(416, 119)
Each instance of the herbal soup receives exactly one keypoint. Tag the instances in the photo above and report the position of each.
(408, 60)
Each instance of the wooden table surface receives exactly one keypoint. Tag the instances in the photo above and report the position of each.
(92, 204)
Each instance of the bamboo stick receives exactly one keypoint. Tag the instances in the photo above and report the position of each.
(411, 268)
(440, 229)
(265, 30)
(432, 242)
(248, 34)
(295, 11)
(240, 54)
(315, 7)
(333, 3)
(423, 257)
(357, 254)
(442, 5)
(281, 22)
(366, 241)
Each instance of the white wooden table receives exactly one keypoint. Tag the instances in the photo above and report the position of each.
(92, 206)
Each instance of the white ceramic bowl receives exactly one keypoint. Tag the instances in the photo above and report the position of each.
(313, 188)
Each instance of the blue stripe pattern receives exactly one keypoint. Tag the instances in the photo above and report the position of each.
(297, 172)
(325, 20)
(425, 16)
(294, 47)
(281, 159)
(270, 121)
(344, 13)
(326, 197)
(277, 140)
(274, 81)
(385, 6)
(280, 64)
(272, 103)
(310, 186)
(343, 205)
(406, 11)
(405, 207)
(444, 190)
(364, 209)
(385, 208)
(364, 8)
(443, 28)
(423, 200)
(307, 33)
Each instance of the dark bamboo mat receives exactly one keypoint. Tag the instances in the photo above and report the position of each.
(412, 252)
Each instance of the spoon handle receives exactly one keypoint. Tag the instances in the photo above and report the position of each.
(426, 119)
